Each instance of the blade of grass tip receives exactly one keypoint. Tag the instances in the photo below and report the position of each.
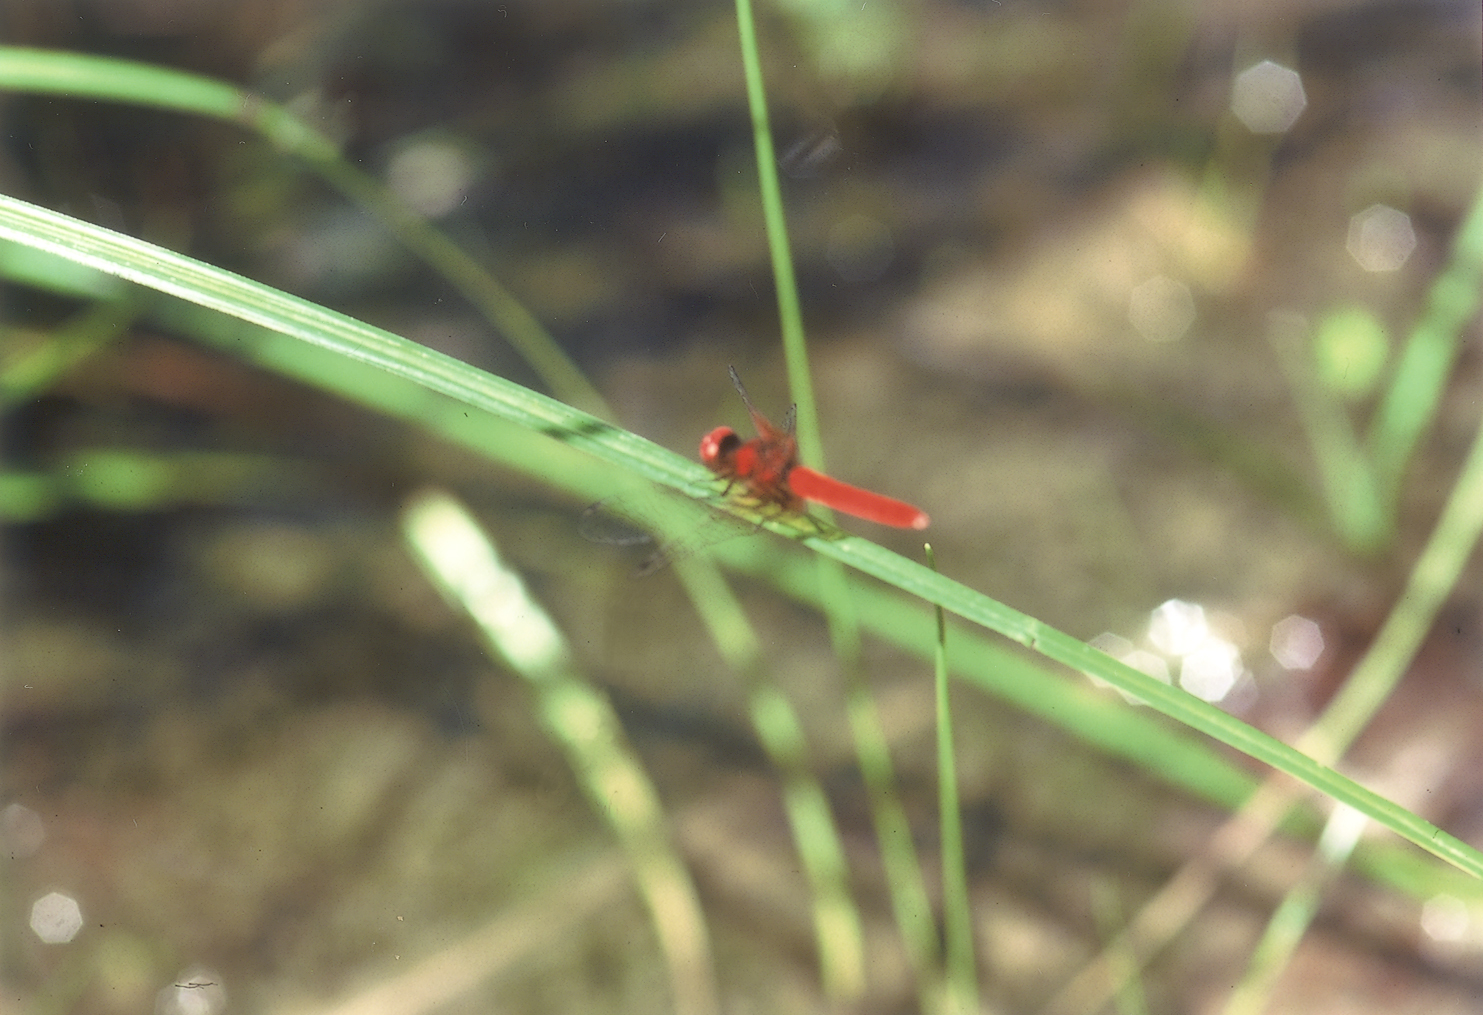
(462, 561)
(837, 932)
(1355, 510)
(1291, 919)
(960, 975)
(1410, 402)
(110, 79)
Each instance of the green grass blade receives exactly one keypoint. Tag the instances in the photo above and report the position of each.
(109, 79)
(1363, 522)
(1291, 919)
(1167, 751)
(1124, 965)
(838, 934)
(1411, 400)
(790, 315)
(434, 389)
(461, 560)
(1431, 581)
(960, 977)
(904, 878)
(26, 370)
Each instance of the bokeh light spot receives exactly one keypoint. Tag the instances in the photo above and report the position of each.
(1211, 670)
(1296, 642)
(431, 176)
(1268, 98)
(56, 918)
(1178, 627)
(1381, 238)
(1162, 309)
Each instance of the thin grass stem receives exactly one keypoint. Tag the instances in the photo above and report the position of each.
(960, 972)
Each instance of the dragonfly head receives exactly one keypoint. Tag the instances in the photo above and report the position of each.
(718, 448)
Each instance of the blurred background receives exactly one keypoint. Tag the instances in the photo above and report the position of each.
(1047, 252)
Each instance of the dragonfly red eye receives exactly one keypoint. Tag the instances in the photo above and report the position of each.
(719, 444)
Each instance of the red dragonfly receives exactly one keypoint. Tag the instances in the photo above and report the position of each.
(767, 468)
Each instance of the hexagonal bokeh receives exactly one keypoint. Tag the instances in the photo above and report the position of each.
(1268, 98)
(1381, 238)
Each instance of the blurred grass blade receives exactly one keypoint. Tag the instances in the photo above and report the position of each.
(1431, 581)
(905, 876)
(323, 347)
(1411, 400)
(1107, 911)
(1356, 512)
(837, 930)
(30, 368)
(122, 479)
(109, 79)
(1163, 916)
(462, 561)
(1292, 918)
(1368, 687)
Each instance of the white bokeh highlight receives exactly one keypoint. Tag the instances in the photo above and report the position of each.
(1211, 669)
(1296, 642)
(431, 176)
(1124, 651)
(1162, 309)
(1381, 238)
(1177, 627)
(56, 918)
(1182, 638)
(1268, 98)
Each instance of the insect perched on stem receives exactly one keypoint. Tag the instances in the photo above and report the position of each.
(767, 468)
